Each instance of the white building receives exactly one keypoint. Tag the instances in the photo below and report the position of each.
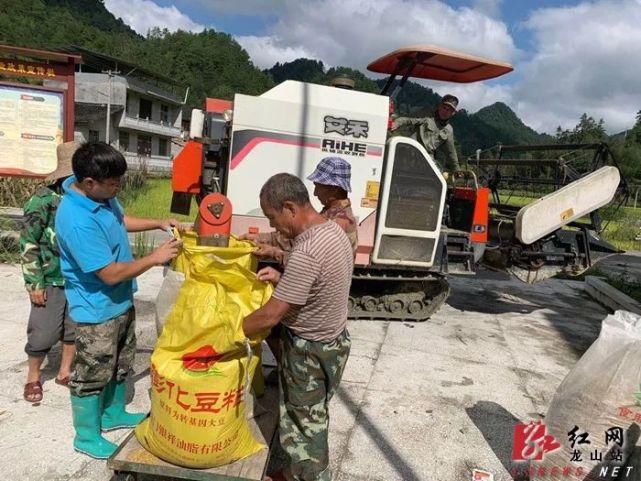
(145, 109)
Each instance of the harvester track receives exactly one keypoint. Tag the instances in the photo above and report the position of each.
(396, 294)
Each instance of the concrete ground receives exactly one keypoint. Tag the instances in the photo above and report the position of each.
(419, 401)
(626, 266)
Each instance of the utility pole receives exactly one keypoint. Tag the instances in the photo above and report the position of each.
(111, 74)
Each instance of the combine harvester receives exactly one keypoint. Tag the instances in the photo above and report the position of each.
(413, 228)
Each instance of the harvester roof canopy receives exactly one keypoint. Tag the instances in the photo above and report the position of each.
(435, 63)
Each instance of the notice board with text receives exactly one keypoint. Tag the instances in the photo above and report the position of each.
(31, 127)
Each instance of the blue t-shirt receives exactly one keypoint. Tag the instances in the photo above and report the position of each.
(91, 235)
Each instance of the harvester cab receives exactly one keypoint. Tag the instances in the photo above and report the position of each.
(413, 229)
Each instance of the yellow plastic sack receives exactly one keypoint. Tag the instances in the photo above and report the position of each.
(201, 366)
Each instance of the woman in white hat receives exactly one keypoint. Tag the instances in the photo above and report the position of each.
(331, 180)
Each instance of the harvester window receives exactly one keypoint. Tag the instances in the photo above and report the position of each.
(414, 193)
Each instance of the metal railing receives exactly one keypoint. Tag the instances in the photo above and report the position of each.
(155, 163)
(151, 126)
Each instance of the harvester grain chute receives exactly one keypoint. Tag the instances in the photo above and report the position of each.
(413, 229)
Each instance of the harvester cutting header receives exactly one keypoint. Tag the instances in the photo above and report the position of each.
(413, 228)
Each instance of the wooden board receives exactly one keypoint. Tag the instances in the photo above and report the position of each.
(132, 457)
(435, 63)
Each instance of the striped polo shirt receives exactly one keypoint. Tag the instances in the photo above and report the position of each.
(316, 283)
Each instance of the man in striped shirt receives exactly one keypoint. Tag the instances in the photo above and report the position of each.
(310, 301)
(332, 186)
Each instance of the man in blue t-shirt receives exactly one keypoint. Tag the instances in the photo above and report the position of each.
(100, 272)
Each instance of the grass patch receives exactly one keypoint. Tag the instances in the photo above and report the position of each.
(9, 244)
(625, 282)
(152, 201)
(15, 191)
(627, 286)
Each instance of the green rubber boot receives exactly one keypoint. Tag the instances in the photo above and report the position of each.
(86, 421)
(114, 415)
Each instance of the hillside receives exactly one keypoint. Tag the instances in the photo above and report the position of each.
(214, 64)
(493, 124)
(211, 63)
(51, 24)
(485, 128)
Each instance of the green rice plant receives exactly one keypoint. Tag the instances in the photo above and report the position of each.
(143, 245)
(15, 191)
(153, 201)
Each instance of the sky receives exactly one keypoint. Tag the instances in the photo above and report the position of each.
(569, 57)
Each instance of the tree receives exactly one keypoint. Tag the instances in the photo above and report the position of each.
(587, 131)
(633, 136)
(302, 69)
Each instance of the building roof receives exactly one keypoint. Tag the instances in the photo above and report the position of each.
(41, 54)
(99, 62)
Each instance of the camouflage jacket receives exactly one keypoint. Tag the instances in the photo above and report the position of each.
(433, 134)
(340, 212)
(39, 253)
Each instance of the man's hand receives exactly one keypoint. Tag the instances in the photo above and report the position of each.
(265, 250)
(38, 297)
(268, 274)
(168, 224)
(250, 237)
(166, 252)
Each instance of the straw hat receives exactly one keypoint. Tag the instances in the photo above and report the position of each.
(64, 153)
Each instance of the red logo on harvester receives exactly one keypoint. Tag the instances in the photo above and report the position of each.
(531, 442)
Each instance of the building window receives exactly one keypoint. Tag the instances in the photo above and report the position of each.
(144, 112)
(144, 145)
(123, 140)
(164, 114)
(94, 136)
(163, 147)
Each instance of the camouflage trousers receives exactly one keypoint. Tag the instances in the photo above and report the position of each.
(102, 350)
(310, 372)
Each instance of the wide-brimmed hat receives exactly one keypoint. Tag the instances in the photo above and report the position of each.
(333, 171)
(64, 152)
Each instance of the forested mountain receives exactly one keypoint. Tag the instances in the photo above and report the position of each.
(213, 64)
(485, 128)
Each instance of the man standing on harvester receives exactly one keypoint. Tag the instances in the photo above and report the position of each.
(434, 131)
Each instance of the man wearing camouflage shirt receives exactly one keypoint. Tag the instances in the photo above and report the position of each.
(49, 321)
(433, 131)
